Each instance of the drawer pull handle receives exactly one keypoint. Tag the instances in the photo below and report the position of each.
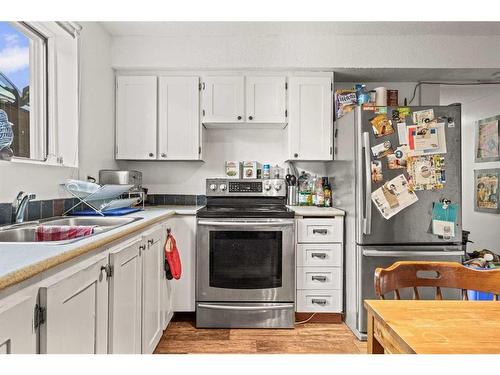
(320, 231)
(318, 255)
(321, 302)
(319, 278)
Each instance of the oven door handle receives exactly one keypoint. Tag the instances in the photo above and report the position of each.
(246, 223)
(246, 308)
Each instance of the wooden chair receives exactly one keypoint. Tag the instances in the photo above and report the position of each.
(435, 274)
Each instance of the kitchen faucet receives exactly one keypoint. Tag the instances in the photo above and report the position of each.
(19, 206)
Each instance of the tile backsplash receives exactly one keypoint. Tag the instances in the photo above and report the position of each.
(56, 207)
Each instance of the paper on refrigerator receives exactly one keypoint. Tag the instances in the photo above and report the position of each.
(429, 143)
(393, 197)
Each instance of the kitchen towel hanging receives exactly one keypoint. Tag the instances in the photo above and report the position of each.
(173, 267)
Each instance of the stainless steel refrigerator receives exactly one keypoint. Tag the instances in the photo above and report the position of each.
(373, 241)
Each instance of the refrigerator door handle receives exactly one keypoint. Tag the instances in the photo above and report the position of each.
(377, 253)
(367, 220)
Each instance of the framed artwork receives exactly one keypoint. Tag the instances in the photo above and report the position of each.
(486, 190)
(487, 139)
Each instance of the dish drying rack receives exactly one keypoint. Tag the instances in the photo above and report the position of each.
(100, 198)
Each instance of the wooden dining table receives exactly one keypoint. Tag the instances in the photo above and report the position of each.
(433, 327)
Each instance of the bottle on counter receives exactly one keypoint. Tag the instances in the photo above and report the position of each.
(305, 195)
(320, 197)
(266, 171)
(327, 193)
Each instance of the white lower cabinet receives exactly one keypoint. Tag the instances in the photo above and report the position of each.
(118, 301)
(125, 296)
(319, 300)
(184, 229)
(319, 253)
(17, 331)
(75, 302)
(152, 268)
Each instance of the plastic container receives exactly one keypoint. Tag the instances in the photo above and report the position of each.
(475, 295)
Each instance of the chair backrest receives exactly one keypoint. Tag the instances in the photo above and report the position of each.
(435, 274)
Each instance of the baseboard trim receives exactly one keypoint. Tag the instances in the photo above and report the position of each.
(334, 318)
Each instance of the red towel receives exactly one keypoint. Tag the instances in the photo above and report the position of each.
(172, 257)
(62, 232)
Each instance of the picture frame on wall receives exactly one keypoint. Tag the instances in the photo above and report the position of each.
(487, 139)
(486, 190)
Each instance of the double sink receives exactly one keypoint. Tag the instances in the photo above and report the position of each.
(25, 232)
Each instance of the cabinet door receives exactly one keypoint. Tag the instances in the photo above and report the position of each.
(166, 293)
(184, 231)
(265, 99)
(179, 118)
(151, 290)
(76, 308)
(310, 118)
(224, 99)
(125, 299)
(17, 333)
(136, 117)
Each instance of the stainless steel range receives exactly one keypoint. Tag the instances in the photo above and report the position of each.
(245, 256)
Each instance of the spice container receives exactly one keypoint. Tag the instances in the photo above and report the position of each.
(232, 169)
(250, 169)
(392, 98)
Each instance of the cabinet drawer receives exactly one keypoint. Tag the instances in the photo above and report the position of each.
(319, 301)
(319, 278)
(319, 255)
(320, 230)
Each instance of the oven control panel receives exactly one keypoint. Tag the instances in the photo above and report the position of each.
(222, 187)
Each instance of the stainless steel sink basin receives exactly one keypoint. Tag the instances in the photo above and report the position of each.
(26, 232)
(90, 220)
(22, 234)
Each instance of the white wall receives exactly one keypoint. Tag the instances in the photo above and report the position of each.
(97, 102)
(478, 102)
(96, 127)
(220, 145)
(304, 50)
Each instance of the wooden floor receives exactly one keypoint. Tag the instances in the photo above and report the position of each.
(182, 337)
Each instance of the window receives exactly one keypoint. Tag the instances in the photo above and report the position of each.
(23, 93)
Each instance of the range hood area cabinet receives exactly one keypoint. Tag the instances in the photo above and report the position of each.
(158, 118)
(310, 105)
(249, 99)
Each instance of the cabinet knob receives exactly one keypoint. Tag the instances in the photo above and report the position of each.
(151, 154)
(295, 155)
(250, 117)
(239, 117)
(163, 155)
(150, 242)
(142, 247)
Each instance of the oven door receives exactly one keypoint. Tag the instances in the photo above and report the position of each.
(245, 260)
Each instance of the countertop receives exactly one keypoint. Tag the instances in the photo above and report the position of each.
(316, 211)
(20, 261)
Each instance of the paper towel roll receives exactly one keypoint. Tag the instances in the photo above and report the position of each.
(381, 96)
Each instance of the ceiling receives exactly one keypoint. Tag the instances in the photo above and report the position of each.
(211, 29)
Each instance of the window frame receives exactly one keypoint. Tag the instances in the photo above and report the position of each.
(38, 117)
(54, 92)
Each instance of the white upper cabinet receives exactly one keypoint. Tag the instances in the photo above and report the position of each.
(310, 118)
(136, 117)
(179, 118)
(223, 99)
(76, 309)
(265, 99)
